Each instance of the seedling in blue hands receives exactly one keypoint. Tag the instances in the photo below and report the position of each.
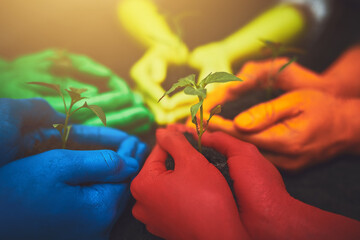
(75, 96)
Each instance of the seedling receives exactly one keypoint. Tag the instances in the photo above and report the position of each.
(191, 87)
(75, 96)
(275, 49)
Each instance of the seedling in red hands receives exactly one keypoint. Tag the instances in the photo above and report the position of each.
(191, 87)
(75, 96)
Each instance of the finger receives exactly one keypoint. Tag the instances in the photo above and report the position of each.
(266, 114)
(279, 138)
(98, 166)
(87, 65)
(178, 147)
(117, 84)
(155, 163)
(127, 119)
(218, 123)
(228, 145)
(36, 112)
(133, 148)
(85, 135)
(180, 128)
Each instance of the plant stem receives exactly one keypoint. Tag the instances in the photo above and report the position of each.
(65, 129)
(201, 128)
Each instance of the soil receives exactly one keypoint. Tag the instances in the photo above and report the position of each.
(249, 99)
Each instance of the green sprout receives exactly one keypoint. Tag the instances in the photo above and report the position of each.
(275, 49)
(75, 96)
(191, 87)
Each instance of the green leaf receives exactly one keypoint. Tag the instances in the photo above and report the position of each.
(182, 82)
(56, 87)
(201, 92)
(67, 132)
(97, 110)
(75, 94)
(219, 77)
(287, 64)
(194, 109)
(215, 110)
(59, 127)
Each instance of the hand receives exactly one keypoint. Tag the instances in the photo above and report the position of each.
(265, 207)
(185, 203)
(150, 71)
(340, 79)
(104, 88)
(63, 194)
(300, 128)
(28, 122)
(210, 58)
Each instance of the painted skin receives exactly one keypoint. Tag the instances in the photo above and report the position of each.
(123, 108)
(61, 194)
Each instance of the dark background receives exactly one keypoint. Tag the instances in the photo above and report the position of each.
(91, 27)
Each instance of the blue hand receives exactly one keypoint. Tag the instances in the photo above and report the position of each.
(19, 117)
(63, 194)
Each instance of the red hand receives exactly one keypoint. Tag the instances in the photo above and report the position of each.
(191, 202)
(266, 209)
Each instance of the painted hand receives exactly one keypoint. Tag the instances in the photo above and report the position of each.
(28, 122)
(265, 207)
(123, 109)
(64, 194)
(150, 71)
(340, 79)
(191, 202)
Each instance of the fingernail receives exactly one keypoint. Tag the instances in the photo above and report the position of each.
(244, 120)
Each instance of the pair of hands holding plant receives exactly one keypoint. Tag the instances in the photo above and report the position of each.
(194, 201)
(316, 119)
(142, 19)
(61, 194)
(123, 108)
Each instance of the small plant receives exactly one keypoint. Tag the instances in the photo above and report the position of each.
(198, 89)
(75, 96)
(275, 49)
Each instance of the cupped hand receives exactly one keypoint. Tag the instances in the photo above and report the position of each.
(104, 88)
(28, 122)
(301, 128)
(265, 207)
(193, 201)
(150, 72)
(63, 194)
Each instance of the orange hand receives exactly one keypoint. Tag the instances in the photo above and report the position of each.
(301, 127)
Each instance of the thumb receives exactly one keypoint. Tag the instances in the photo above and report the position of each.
(100, 166)
(179, 148)
(265, 114)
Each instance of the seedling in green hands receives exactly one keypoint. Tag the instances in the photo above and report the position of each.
(75, 96)
(276, 49)
(191, 87)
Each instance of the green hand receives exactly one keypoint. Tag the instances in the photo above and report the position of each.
(104, 88)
